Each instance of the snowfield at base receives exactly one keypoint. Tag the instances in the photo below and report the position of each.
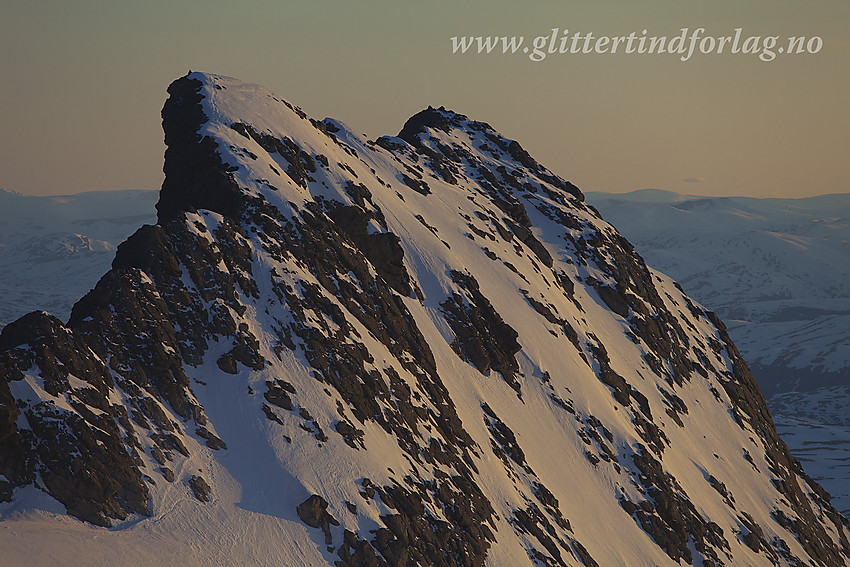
(568, 286)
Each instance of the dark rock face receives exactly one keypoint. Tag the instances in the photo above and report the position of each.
(200, 488)
(417, 123)
(195, 176)
(483, 337)
(670, 518)
(312, 310)
(99, 480)
(504, 441)
(381, 249)
(314, 513)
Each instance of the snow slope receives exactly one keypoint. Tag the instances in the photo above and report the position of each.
(54, 249)
(419, 350)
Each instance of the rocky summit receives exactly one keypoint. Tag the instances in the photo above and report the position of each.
(418, 350)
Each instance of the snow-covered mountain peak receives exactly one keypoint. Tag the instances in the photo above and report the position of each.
(424, 349)
(255, 131)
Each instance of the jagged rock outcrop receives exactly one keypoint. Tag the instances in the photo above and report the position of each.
(82, 449)
(423, 350)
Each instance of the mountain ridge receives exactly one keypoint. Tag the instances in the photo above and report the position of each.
(379, 332)
(775, 270)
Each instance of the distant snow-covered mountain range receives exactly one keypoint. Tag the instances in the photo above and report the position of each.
(54, 249)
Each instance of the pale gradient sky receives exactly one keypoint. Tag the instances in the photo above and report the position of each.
(82, 84)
